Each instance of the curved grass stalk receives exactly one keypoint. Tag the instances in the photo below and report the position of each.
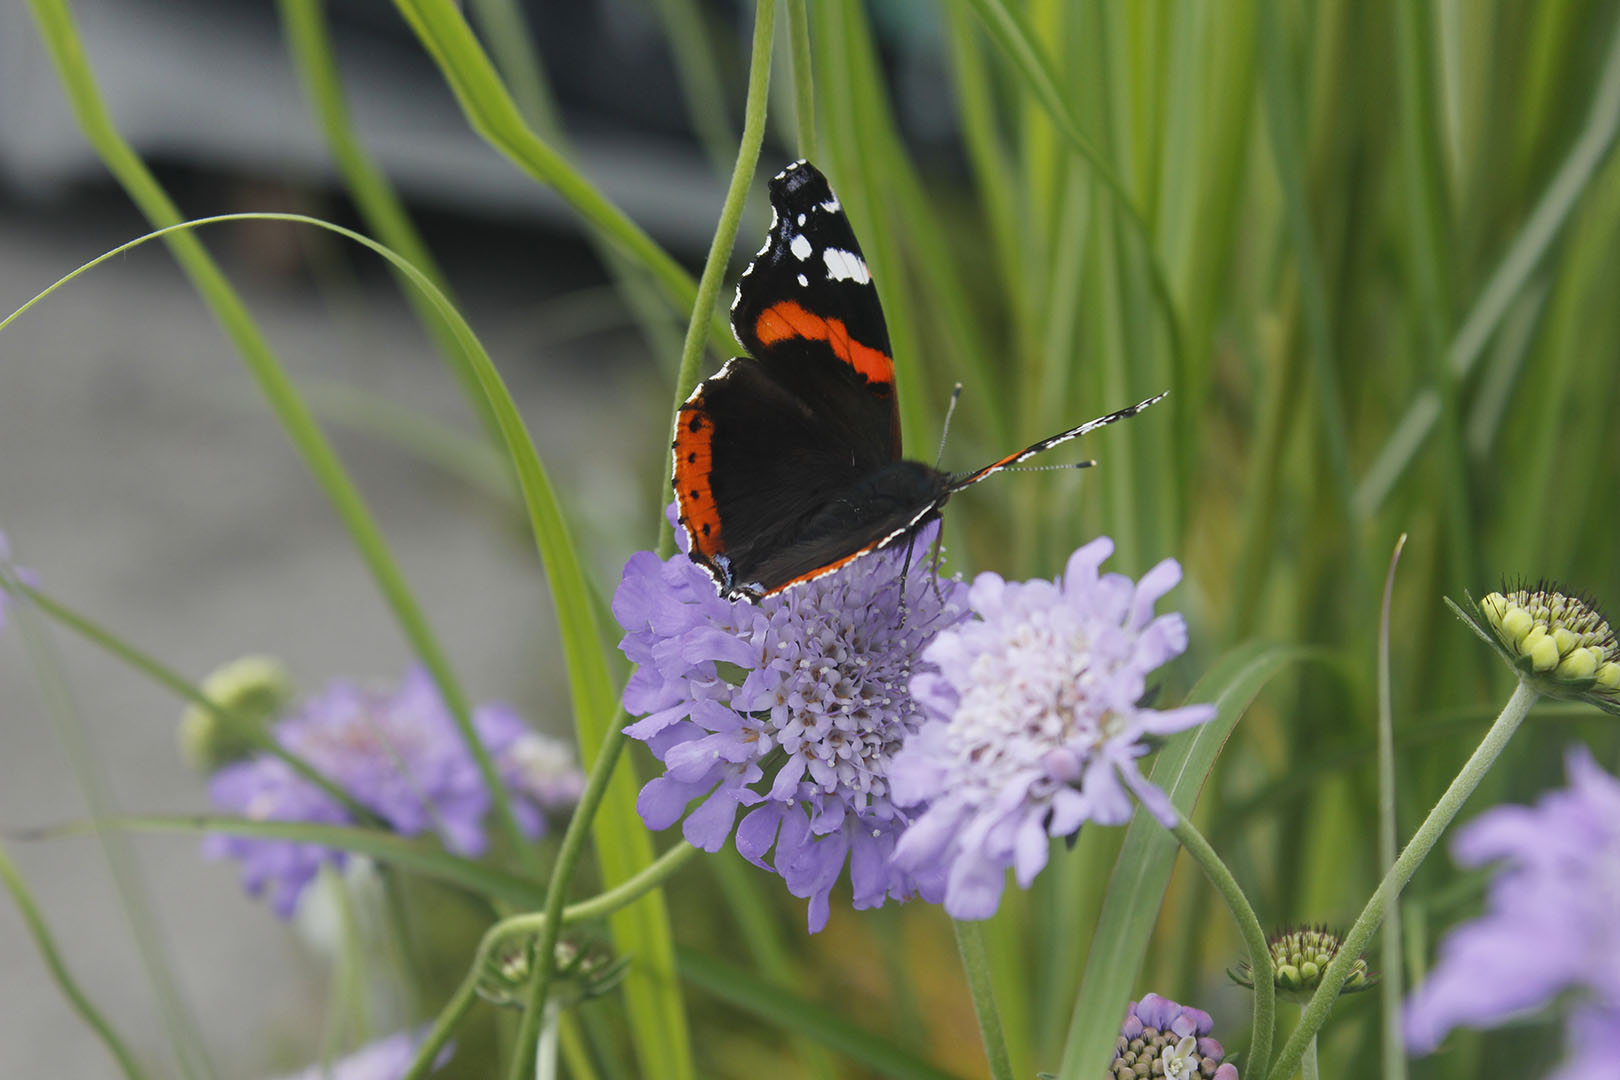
(62, 42)
(52, 956)
(172, 681)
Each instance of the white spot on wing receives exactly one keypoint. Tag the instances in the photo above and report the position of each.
(801, 219)
(800, 246)
(803, 280)
(845, 266)
(831, 205)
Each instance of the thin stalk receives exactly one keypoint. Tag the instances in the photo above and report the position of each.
(62, 41)
(562, 872)
(449, 1018)
(1254, 939)
(184, 1034)
(171, 680)
(1308, 1067)
(1394, 1054)
(64, 979)
(725, 233)
(976, 965)
(545, 1055)
(804, 87)
(1417, 849)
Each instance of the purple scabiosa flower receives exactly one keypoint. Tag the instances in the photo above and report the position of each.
(1550, 924)
(399, 755)
(1161, 1038)
(386, 1059)
(791, 707)
(1034, 725)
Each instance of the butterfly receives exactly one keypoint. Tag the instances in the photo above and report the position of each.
(787, 461)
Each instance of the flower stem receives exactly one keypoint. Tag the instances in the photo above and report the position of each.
(1308, 1066)
(976, 963)
(444, 1025)
(1254, 939)
(1417, 849)
(562, 872)
(804, 89)
(725, 231)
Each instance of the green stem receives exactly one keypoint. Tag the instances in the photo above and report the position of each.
(1308, 1065)
(976, 964)
(64, 978)
(804, 87)
(562, 872)
(596, 907)
(603, 904)
(1417, 849)
(171, 680)
(444, 1025)
(725, 233)
(1254, 939)
(1389, 990)
(62, 41)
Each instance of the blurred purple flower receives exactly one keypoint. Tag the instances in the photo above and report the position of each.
(386, 1059)
(792, 706)
(1033, 724)
(1551, 923)
(399, 755)
(1175, 1038)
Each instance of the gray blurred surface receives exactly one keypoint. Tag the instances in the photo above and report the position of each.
(208, 83)
(144, 482)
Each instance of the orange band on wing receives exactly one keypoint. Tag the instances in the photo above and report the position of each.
(694, 434)
(787, 319)
(820, 571)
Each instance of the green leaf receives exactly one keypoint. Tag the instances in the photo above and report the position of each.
(77, 998)
(1142, 871)
(417, 855)
(793, 1013)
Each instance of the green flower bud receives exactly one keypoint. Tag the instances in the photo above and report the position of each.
(585, 967)
(249, 694)
(1298, 959)
(1557, 641)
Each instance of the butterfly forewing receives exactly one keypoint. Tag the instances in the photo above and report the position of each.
(767, 451)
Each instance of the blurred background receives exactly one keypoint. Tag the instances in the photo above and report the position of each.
(1387, 232)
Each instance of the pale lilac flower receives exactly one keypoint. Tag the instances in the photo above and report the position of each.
(1034, 725)
(401, 756)
(386, 1059)
(791, 707)
(1175, 1038)
(1551, 924)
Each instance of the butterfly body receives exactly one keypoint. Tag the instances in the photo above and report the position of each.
(787, 461)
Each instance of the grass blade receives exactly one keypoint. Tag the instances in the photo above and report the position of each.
(1552, 212)
(789, 1011)
(407, 853)
(62, 42)
(60, 974)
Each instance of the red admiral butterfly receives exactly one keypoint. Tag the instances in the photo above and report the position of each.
(787, 462)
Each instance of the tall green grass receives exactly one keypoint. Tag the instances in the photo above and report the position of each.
(1370, 250)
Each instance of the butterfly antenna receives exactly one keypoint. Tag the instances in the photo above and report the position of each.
(950, 411)
(958, 481)
(1050, 468)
